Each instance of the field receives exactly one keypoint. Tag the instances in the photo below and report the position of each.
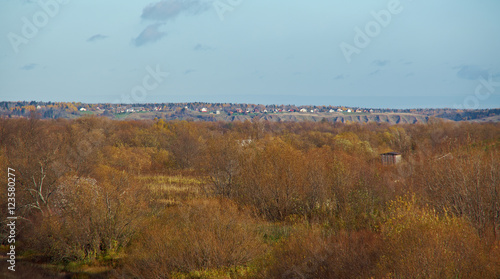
(101, 198)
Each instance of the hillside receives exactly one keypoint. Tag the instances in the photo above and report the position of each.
(390, 118)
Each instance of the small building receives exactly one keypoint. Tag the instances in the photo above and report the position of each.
(83, 109)
(303, 110)
(204, 110)
(340, 110)
(390, 158)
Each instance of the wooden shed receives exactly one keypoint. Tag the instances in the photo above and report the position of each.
(390, 158)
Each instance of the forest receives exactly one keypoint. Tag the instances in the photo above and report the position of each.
(102, 198)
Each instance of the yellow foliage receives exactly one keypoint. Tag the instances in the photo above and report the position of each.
(421, 244)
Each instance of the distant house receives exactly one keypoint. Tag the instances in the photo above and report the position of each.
(349, 110)
(332, 110)
(204, 110)
(303, 110)
(340, 110)
(83, 109)
(359, 111)
(390, 158)
(371, 111)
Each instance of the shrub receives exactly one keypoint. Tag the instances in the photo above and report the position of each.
(88, 217)
(310, 253)
(420, 244)
(202, 235)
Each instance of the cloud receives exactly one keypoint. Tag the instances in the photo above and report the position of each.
(29, 67)
(374, 72)
(170, 9)
(148, 35)
(187, 72)
(200, 47)
(339, 77)
(471, 72)
(97, 37)
(381, 63)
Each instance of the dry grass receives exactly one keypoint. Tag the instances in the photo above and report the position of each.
(171, 190)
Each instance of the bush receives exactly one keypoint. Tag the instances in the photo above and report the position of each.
(420, 244)
(208, 234)
(88, 217)
(309, 253)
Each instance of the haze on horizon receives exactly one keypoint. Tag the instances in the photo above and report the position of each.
(383, 53)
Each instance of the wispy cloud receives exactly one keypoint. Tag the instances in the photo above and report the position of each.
(471, 72)
(374, 72)
(200, 47)
(97, 37)
(29, 67)
(381, 63)
(150, 34)
(170, 9)
(339, 77)
(189, 71)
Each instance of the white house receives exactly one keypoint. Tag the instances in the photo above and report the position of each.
(349, 110)
(303, 110)
(204, 110)
(340, 110)
(83, 109)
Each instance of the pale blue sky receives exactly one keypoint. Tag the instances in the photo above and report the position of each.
(430, 53)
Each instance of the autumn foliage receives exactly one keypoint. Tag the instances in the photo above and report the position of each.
(179, 199)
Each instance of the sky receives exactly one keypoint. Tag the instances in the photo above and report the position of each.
(366, 53)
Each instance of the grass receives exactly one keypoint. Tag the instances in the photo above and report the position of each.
(121, 115)
(171, 190)
(87, 113)
(223, 273)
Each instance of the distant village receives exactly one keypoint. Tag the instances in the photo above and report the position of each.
(238, 110)
(51, 110)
